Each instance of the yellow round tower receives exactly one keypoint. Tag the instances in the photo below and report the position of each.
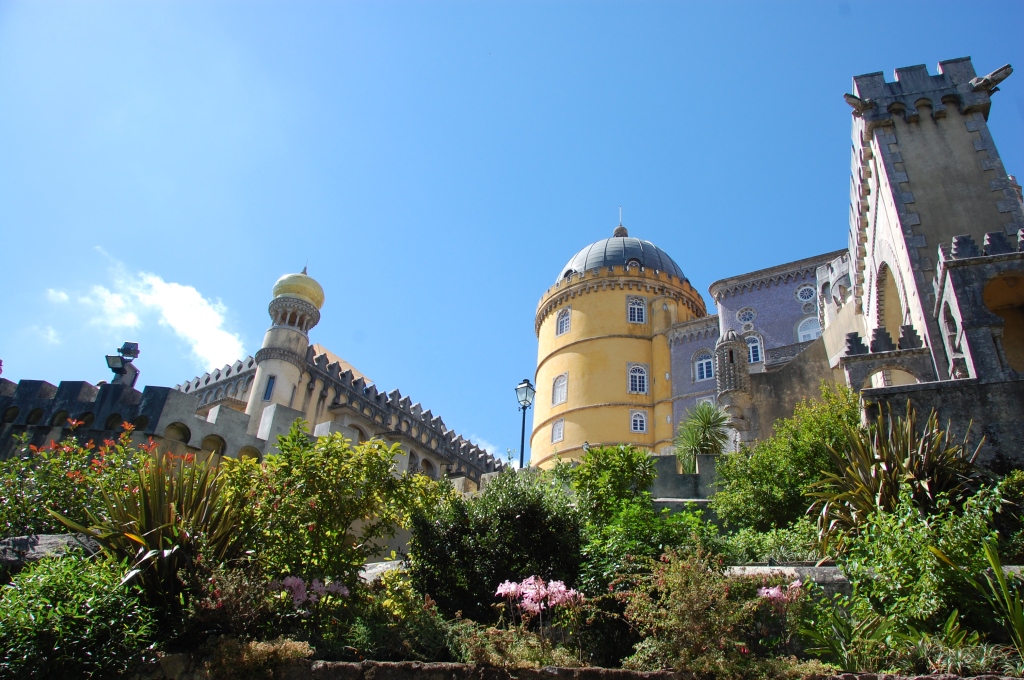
(603, 365)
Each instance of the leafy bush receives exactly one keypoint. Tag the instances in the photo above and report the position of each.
(323, 508)
(873, 467)
(70, 617)
(704, 432)
(895, 574)
(765, 488)
(173, 515)
(461, 549)
(607, 476)
(64, 478)
(693, 617)
(796, 543)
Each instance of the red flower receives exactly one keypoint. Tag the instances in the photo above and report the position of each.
(127, 427)
(73, 424)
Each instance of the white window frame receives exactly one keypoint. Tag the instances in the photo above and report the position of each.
(638, 422)
(557, 398)
(558, 431)
(754, 343)
(705, 400)
(814, 335)
(703, 362)
(566, 316)
(638, 370)
(637, 304)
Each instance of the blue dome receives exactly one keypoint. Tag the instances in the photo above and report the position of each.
(618, 251)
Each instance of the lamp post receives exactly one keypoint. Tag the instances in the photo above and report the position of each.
(524, 393)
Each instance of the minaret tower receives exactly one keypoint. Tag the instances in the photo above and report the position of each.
(279, 363)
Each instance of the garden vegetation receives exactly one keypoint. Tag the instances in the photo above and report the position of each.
(252, 564)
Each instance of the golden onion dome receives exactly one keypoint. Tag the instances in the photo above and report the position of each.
(300, 286)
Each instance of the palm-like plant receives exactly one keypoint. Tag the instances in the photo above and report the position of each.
(174, 513)
(704, 432)
(877, 462)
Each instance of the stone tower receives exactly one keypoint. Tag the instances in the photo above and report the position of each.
(280, 363)
(925, 170)
(603, 364)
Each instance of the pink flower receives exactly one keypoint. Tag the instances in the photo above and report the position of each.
(533, 589)
(773, 593)
(337, 589)
(508, 589)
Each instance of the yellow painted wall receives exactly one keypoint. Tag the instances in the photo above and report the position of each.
(596, 353)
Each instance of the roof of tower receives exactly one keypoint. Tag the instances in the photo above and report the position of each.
(300, 286)
(618, 251)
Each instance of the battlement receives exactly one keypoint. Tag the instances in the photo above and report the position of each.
(624, 278)
(400, 416)
(227, 373)
(956, 83)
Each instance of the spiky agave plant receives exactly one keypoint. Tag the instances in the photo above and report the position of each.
(877, 462)
(176, 512)
(704, 432)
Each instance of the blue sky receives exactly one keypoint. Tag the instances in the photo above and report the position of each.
(163, 163)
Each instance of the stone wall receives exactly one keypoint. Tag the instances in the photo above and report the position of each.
(184, 667)
(775, 394)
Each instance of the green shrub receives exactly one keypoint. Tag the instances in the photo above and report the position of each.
(894, 573)
(874, 467)
(765, 488)
(323, 508)
(607, 476)
(70, 617)
(796, 543)
(523, 523)
(63, 477)
(692, 617)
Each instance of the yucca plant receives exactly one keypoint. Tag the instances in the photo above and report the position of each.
(704, 432)
(175, 516)
(877, 462)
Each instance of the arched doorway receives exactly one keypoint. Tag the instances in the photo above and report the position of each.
(1004, 296)
(889, 308)
(890, 377)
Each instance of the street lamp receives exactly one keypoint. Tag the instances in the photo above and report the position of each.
(524, 393)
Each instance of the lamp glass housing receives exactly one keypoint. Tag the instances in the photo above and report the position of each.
(116, 364)
(525, 393)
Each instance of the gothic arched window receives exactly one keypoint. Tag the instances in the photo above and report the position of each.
(562, 322)
(638, 421)
(753, 349)
(560, 389)
(637, 310)
(638, 379)
(703, 366)
(809, 329)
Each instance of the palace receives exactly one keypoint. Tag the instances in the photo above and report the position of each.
(240, 409)
(924, 306)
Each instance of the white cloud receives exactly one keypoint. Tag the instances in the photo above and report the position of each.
(114, 311)
(56, 295)
(193, 318)
(47, 334)
(183, 309)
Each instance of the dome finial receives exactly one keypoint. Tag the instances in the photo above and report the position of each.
(620, 231)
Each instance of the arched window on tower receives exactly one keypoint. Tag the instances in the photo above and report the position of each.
(809, 329)
(703, 366)
(562, 322)
(560, 389)
(557, 431)
(638, 421)
(637, 379)
(637, 308)
(754, 350)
